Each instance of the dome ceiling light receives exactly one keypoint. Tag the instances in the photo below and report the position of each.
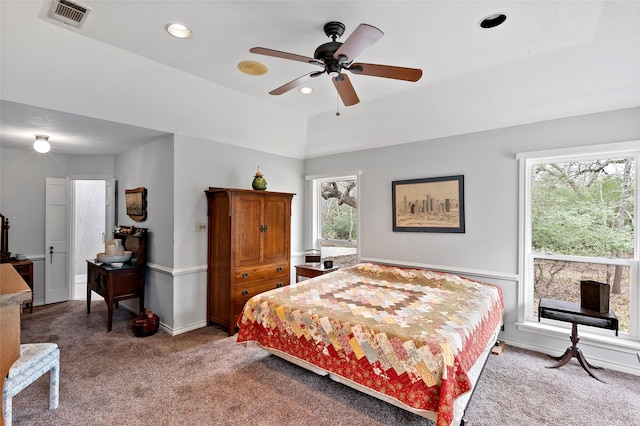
(42, 144)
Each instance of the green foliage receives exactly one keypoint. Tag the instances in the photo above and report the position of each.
(339, 220)
(581, 208)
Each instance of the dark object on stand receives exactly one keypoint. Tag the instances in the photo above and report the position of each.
(594, 296)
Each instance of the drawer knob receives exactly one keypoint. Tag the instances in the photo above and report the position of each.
(279, 268)
(245, 275)
(245, 292)
(279, 285)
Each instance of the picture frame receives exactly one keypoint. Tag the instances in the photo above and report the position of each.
(136, 203)
(429, 204)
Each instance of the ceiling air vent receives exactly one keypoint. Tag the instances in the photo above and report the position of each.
(72, 14)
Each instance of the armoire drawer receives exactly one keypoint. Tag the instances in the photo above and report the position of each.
(244, 292)
(262, 272)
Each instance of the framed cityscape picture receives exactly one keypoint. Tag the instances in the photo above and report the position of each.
(429, 204)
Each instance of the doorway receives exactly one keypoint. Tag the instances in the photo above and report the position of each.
(89, 218)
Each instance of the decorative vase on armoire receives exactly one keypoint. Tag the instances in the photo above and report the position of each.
(259, 182)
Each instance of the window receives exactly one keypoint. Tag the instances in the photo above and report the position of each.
(335, 218)
(578, 215)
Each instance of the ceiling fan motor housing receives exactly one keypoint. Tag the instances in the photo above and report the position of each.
(325, 51)
(334, 29)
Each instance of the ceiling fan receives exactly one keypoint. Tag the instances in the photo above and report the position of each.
(335, 57)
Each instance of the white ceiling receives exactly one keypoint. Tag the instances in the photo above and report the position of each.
(121, 80)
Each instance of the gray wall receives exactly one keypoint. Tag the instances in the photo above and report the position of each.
(150, 166)
(487, 161)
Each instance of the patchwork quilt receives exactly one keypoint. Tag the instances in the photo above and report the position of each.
(411, 334)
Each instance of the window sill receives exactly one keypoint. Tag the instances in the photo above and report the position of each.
(624, 343)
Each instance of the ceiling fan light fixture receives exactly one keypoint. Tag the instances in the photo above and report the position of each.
(493, 20)
(42, 144)
(306, 90)
(178, 30)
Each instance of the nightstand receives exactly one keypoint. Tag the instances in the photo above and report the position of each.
(310, 270)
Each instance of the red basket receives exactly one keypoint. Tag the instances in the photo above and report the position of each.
(146, 324)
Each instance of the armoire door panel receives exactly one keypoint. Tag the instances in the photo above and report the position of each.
(276, 220)
(247, 223)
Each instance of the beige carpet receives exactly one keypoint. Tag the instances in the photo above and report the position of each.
(205, 378)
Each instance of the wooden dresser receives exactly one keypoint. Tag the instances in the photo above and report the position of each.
(249, 249)
(116, 284)
(25, 269)
(14, 291)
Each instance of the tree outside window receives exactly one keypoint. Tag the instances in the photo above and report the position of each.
(338, 219)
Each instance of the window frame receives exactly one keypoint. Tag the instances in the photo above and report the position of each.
(316, 207)
(526, 296)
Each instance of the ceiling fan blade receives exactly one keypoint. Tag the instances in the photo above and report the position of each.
(284, 55)
(345, 90)
(364, 36)
(387, 71)
(292, 84)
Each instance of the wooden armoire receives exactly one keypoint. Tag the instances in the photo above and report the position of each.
(249, 249)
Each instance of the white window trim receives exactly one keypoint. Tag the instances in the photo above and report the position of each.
(315, 181)
(525, 257)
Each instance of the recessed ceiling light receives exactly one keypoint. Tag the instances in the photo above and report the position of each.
(306, 90)
(253, 68)
(178, 30)
(493, 20)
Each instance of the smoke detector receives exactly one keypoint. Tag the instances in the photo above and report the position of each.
(69, 13)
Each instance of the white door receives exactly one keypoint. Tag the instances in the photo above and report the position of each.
(110, 208)
(57, 286)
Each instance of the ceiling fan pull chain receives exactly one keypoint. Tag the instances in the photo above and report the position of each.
(337, 105)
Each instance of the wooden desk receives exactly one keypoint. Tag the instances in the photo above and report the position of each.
(115, 284)
(25, 269)
(310, 270)
(13, 293)
(573, 313)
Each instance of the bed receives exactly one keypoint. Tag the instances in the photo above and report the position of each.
(414, 338)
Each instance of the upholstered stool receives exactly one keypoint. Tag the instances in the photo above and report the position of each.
(35, 360)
